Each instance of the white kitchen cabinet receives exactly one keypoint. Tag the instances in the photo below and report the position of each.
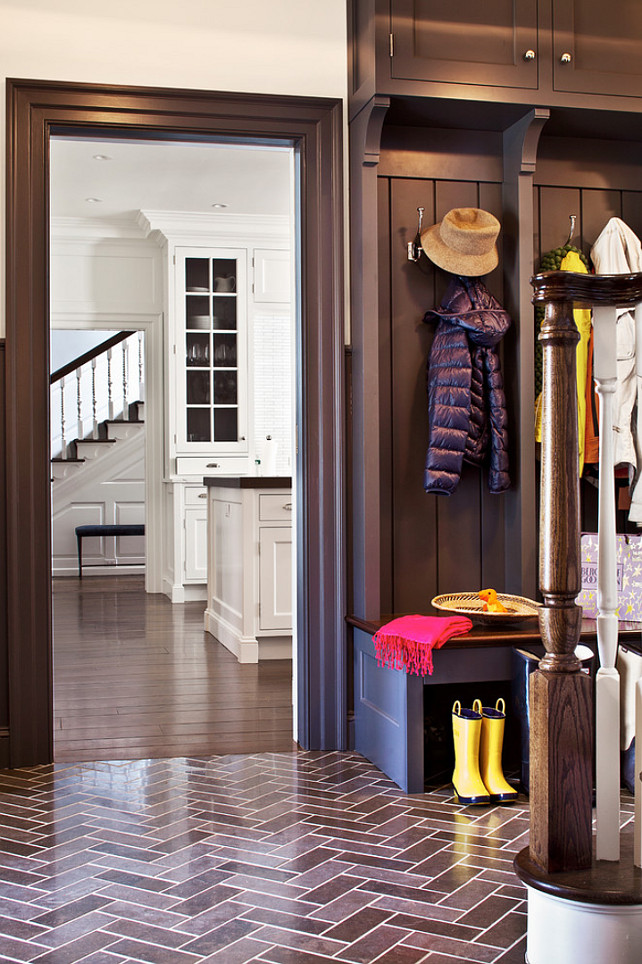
(227, 285)
(249, 587)
(195, 560)
(272, 276)
(209, 342)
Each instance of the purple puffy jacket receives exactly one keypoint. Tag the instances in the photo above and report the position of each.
(466, 401)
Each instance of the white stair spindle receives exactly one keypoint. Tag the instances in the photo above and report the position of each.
(125, 356)
(607, 687)
(141, 369)
(80, 429)
(637, 825)
(94, 414)
(110, 396)
(63, 437)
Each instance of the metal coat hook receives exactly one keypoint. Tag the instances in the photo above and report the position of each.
(572, 218)
(414, 247)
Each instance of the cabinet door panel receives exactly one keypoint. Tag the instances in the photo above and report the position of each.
(466, 42)
(275, 578)
(210, 352)
(196, 543)
(604, 43)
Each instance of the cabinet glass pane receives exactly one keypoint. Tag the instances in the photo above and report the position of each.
(198, 425)
(197, 312)
(223, 312)
(224, 351)
(197, 350)
(197, 274)
(198, 387)
(224, 274)
(225, 388)
(225, 425)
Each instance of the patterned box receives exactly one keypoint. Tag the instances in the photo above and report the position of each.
(629, 576)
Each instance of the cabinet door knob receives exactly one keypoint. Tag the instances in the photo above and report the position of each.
(212, 465)
(529, 55)
(202, 495)
(288, 507)
(565, 58)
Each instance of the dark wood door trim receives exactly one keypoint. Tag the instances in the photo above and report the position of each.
(314, 126)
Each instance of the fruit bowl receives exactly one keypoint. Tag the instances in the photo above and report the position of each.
(469, 604)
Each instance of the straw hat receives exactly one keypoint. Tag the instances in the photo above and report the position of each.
(464, 242)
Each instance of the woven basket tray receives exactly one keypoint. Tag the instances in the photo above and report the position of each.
(469, 604)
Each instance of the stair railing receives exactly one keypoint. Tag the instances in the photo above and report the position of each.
(102, 388)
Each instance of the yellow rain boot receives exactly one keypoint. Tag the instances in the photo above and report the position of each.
(467, 781)
(490, 754)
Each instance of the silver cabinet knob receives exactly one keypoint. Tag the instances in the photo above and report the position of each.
(288, 507)
(529, 55)
(202, 495)
(566, 58)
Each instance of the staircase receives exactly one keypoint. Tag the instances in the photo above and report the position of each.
(98, 477)
(109, 432)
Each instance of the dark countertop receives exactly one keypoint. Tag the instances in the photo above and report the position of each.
(249, 481)
(523, 633)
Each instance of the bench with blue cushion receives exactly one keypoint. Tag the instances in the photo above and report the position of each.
(83, 532)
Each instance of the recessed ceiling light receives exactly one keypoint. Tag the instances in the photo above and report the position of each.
(219, 205)
(102, 157)
(93, 200)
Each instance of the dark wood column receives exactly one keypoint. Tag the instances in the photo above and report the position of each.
(561, 702)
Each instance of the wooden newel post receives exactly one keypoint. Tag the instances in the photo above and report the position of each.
(560, 695)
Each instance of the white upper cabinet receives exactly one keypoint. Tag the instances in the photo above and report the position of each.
(209, 335)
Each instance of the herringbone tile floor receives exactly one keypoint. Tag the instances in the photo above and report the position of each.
(290, 858)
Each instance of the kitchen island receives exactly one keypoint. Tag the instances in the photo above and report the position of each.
(249, 565)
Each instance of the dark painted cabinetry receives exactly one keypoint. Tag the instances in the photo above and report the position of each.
(510, 49)
(597, 47)
(467, 42)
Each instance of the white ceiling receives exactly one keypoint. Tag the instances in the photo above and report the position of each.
(167, 176)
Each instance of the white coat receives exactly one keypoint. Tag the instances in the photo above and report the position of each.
(618, 251)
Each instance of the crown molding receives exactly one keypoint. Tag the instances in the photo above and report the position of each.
(183, 225)
(94, 229)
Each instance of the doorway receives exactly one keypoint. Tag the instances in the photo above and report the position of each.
(141, 227)
(313, 127)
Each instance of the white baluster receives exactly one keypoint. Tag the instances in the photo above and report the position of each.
(141, 368)
(80, 429)
(110, 397)
(637, 825)
(63, 437)
(94, 414)
(125, 354)
(607, 687)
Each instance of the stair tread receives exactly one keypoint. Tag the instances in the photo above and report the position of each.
(123, 421)
(94, 441)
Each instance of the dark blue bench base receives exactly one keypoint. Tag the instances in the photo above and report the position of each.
(83, 532)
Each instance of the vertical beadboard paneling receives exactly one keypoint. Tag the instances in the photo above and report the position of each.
(437, 543)
(492, 536)
(415, 548)
(632, 210)
(386, 522)
(459, 515)
(556, 204)
(597, 208)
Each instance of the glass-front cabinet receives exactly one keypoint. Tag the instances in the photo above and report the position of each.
(211, 351)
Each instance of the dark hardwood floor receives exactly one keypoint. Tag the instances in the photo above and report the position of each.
(136, 677)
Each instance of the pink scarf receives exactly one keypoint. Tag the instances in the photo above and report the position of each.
(409, 640)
